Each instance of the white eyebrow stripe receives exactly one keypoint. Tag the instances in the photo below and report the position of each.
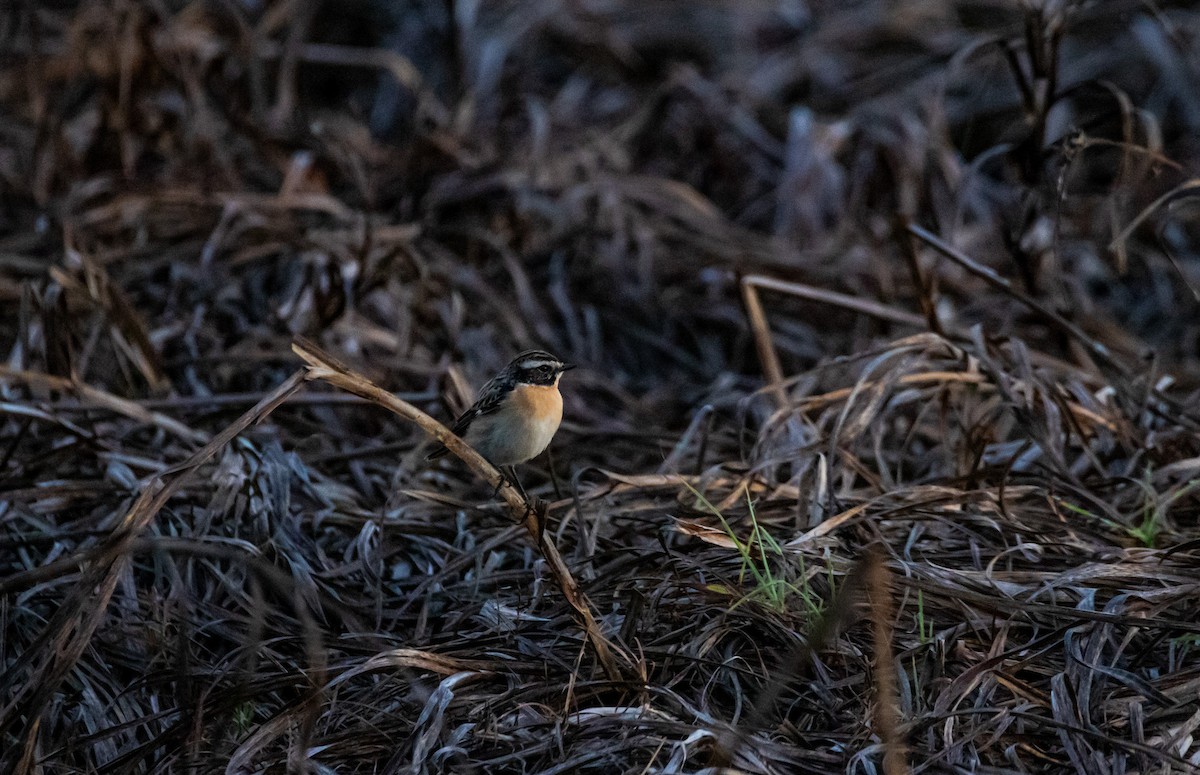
(536, 363)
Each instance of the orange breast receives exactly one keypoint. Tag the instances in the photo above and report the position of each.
(539, 403)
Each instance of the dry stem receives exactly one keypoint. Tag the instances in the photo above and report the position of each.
(325, 367)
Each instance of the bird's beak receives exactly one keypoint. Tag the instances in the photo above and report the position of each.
(566, 367)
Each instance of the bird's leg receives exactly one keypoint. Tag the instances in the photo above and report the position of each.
(512, 478)
(509, 476)
(533, 507)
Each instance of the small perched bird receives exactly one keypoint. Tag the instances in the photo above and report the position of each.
(516, 414)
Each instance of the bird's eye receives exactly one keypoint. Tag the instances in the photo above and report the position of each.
(544, 369)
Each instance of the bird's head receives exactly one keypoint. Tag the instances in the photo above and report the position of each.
(537, 367)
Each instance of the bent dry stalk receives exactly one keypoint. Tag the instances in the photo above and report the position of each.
(322, 366)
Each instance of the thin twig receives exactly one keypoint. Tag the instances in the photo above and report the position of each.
(887, 702)
(765, 345)
(99, 399)
(762, 338)
(822, 296)
(989, 275)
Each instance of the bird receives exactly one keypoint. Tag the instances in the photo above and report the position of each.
(516, 413)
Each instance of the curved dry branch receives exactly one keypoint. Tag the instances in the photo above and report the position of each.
(323, 366)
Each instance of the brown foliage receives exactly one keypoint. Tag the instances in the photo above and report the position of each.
(905, 290)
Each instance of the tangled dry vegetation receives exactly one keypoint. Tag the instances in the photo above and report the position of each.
(883, 455)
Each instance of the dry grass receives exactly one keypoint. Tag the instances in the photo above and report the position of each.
(884, 455)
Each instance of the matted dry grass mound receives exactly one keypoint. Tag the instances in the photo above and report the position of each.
(883, 455)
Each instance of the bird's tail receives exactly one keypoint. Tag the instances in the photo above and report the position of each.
(439, 452)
